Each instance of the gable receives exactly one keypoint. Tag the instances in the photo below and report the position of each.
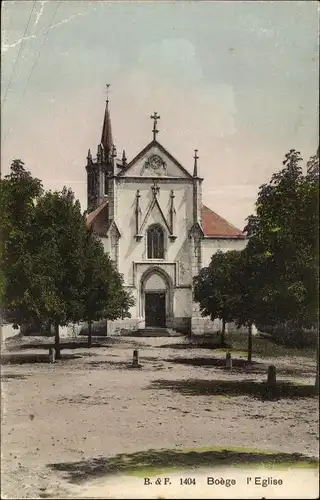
(155, 161)
(154, 215)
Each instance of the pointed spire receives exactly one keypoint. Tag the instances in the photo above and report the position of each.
(195, 168)
(124, 159)
(99, 153)
(106, 137)
(89, 158)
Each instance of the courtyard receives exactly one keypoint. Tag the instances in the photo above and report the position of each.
(85, 425)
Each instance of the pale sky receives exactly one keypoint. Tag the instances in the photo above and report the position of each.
(237, 81)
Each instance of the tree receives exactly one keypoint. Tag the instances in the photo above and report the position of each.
(56, 277)
(229, 289)
(247, 300)
(19, 192)
(53, 270)
(215, 288)
(103, 295)
(311, 204)
(284, 232)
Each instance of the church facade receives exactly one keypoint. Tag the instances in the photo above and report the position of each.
(150, 217)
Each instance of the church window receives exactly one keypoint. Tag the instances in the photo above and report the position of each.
(155, 242)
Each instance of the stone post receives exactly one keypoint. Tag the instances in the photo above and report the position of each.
(135, 360)
(228, 361)
(271, 382)
(52, 355)
(272, 377)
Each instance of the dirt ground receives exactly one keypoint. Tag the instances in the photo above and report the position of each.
(91, 414)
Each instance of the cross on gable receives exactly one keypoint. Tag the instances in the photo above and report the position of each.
(155, 188)
(155, 117)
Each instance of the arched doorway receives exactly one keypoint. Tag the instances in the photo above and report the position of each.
(156, 298)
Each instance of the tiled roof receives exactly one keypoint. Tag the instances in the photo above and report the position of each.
(92, 216)
(215, 226)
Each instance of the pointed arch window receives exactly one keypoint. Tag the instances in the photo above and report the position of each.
(155, 242)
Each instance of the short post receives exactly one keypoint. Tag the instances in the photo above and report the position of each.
(272, 377)
(228, 360)
(135, 361)
(52, 355)
(271, 382)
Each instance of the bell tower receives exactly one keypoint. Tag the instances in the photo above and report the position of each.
(101, 169)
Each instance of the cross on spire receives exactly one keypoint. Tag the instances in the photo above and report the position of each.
(155, 117)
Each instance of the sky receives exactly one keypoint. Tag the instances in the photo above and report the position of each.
(236, 80)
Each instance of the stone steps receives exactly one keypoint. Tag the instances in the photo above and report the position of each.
(159, 332)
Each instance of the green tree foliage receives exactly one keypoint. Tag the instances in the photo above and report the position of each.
(274, 280)
(215, 288)
(103, 295)
(283, 236)
(227, 289)
(53, 270)
(54, 293)
(19, 193)
(247, 300)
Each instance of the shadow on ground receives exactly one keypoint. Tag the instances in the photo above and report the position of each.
(298, 371)
(30, 358)
(232, 388)
(63, 345)
(143, 461)
(241, 365)
(193, 345)
(236, 341)
(12, 376)
(124, 365)
(218, 362)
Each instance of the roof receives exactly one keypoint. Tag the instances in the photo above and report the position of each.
(91, 217)
(214, 226)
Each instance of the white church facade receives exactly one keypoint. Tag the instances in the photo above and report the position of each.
(150, 217)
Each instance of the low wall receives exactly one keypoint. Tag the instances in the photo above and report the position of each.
(203, 325)
(7, 331)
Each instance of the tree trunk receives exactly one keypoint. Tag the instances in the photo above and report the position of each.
(250, 343)
(223, 333)
(317, 367)
(57, 339)
(49, 328)
(89, 333)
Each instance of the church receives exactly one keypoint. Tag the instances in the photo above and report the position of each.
(150, 217)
